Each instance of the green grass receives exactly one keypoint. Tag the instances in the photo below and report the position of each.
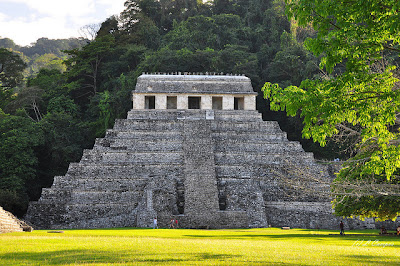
(233, 247)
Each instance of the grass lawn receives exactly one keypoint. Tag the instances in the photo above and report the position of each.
(233, 247)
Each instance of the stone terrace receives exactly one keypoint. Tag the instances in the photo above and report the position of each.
(192, 148)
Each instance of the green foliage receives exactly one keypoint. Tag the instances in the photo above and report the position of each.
(105, 113)
(62, 104)
(126, 59)
(292, 63)
(200, 32)
(84, 65)
(161, 13)
(364, 95)
(11, 67)
(7, 43)
(44, 53)
(48, 61)
(51, 81)
(19, 137)
(47, 46)
(14, 202)
(30, 101)
(65, 137)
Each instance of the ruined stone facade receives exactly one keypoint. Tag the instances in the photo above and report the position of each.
(9, 223)
(192, 148)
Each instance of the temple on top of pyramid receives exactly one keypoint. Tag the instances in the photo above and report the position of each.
(193, 148)
(218, 92)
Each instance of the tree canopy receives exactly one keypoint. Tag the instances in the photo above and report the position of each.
(358, 98)
(11, 67)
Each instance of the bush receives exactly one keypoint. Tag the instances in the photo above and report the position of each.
(16, 203)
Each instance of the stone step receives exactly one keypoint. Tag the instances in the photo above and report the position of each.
(255, 158)
(238, 115)
(227, 115)
(143, 135)
(99, 170)
(260, 147)
(151, 125)
(138, 145)
(252, 144)
(90, 211)
(44, 214)
(249, 131)
(233, 171)
(132, 157)
(154, 114)
(252, 126)
(257, 136)
(8, 223)
(112, 183)
(103, 197)
(55, 195)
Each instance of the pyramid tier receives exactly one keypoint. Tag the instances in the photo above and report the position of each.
(131, 157)
(227, 115)
(99, 170)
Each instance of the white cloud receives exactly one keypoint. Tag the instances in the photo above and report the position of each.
(57, 7)
(52, 18)
(113, 7)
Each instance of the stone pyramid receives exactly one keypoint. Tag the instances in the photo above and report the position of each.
(8, 222)
(193, 148)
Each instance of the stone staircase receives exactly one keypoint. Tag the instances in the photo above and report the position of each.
(210, 168)
(8, 222)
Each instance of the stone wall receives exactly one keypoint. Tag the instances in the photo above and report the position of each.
(316, 215)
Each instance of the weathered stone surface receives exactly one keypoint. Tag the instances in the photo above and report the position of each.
(9, 223)
(193, 83)
(206, 168)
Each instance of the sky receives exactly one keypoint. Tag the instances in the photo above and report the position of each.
(25, 21)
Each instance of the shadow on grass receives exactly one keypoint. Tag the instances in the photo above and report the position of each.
(295, 237)
(362, 259)
(263, 236)
(85, 256)
(101, 229)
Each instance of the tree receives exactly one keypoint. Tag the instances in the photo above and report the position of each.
(11, 67)
(292, 63)
(7, 43)
(19, 138)
(90, 31)
(161, 12)
(48, 61)
(48, 46)
(30, 101)
(84, 65)
(51, 81)
(361, 99)
(200, 32)
(109, 26)
(64, 140)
